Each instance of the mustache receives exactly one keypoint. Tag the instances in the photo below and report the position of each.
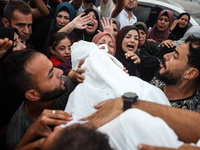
(162, 62)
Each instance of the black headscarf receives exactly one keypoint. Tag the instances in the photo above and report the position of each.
(179, 32)
(82, 34)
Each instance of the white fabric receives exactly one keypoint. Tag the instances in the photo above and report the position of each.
(105, 9)
(124, 19)
(134, 127)
(104, 79)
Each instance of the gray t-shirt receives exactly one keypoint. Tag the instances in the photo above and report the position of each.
(190, 103)
(20, 121)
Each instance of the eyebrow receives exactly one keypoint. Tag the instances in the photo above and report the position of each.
(176, 51)
(50, 71)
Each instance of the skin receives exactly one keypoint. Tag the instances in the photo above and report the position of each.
(130, 39)
(183, 21)
(17, 44)
(130, 4)
(5, 44)
(62, 51)
(163, 23)
(62, 19)
(114, 30)
(106, 39)
(142, 38)
(93, 22)
(21, 22)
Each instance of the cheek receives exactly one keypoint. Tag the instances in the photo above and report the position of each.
(124, 45)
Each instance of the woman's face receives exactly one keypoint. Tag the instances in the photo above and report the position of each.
(106, 39)
(114, 30)
(62, 19)
(130, 41)
(93, 24)
(183, 21)
(17, 44)
(62, 51)
(163, 23)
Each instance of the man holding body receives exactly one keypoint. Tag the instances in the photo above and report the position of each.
(178, 77)
(17, 14)
(34, 79)
(124, 12)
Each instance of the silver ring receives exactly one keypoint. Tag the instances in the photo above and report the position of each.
(53, 112)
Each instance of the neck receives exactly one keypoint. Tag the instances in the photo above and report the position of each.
(34, 109)
(179, 92)
(87, 5)
(130, 13)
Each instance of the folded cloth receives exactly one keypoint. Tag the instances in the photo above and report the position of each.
(104, 79)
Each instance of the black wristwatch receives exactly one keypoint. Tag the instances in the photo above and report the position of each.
(129, 98)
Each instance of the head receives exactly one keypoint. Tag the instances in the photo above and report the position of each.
(105, 38)
(31, 76)
(142, 28)
(76, 137)
(64, 13)
(184, 19)
(129, 5)
(17, 14)
(165, 20)
(128, 38)
(60, 46)
(116, 26)
(93, 25)
(182, 64)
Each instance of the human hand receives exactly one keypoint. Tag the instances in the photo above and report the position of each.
(107, 111)
(5, 44)
(174, 24)
(76, 75)
(107, 25)
(81, 22)
(168, 43)
(152, 40)
(133, 56)
(126, 71)
(40, 128)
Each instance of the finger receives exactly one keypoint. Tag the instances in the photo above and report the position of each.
(104, 20)
(102, 23)
(81, 62)
(82, 14)
(97, 106)
(80, 71)
(98, 31)
(108, 22)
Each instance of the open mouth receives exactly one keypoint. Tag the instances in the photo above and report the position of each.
(90, 25)
(130, 47)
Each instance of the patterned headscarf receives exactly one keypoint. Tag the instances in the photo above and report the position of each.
(158, 35)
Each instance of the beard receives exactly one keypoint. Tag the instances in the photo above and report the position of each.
(129, 8)
(55, 93)
(88, 1)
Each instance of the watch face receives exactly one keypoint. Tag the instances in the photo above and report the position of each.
(130, 94)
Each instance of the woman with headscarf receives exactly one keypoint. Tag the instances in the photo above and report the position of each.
(103, 38)
(180, 25)
(116, 26)
(39, 39)
(137, 61)
(92, 27)
(161, 30)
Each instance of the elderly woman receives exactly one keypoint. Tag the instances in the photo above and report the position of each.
(161, 30)
(137, 61)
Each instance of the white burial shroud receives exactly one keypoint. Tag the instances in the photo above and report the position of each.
(104, 79)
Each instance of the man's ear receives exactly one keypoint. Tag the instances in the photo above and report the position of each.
(191, 73)
(52, 51)
(5, 22)
(32, 95)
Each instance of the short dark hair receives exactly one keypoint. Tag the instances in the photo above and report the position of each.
(13, 74)
(57, 37)
(19, 5)
(194, 53)
(79, 137)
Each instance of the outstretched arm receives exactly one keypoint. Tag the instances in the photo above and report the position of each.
(118, 8)
(185, 123)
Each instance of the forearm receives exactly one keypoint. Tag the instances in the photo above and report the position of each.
(118, 8)
(68, 28)
(185, 123)
(40, 10)
(76, 4)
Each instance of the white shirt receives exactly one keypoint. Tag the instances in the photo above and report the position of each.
(124, 19)
(105, 9)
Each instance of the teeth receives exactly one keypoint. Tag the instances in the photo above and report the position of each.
(131, 46)
(90, 24)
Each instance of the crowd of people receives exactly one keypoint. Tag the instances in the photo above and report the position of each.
(73, 77)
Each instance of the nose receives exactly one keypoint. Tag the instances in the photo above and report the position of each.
(62, 19)
(22, 46)
(167, 56)
(26, 30)
(59, 72)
